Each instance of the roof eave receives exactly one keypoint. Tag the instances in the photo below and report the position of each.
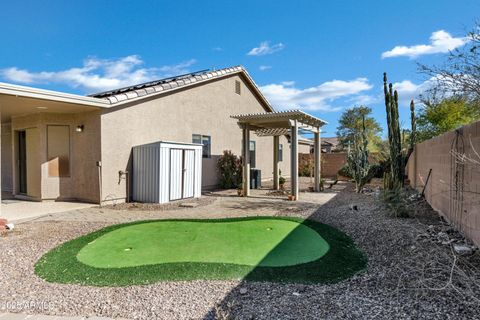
(35, 93)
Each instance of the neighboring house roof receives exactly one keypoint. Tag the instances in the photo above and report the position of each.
(158, 87)
(333, 141)
(307, 141)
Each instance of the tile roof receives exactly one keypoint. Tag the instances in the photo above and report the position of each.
(172, 83)
(331, 140)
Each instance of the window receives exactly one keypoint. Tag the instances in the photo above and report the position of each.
(252, 150)
(238, 87)
(280, 152)
(58, 151)
(206, 141)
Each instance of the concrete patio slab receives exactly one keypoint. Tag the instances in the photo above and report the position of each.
(19, 210)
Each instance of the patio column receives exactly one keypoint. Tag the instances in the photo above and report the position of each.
(246, 159)
(276, 145)
(317, 153)
(294, 159)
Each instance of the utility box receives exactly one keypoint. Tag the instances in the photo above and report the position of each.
(255, 178)
(166, 171)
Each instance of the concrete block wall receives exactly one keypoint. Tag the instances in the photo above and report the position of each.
(453, 188)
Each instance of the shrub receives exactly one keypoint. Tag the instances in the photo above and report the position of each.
(230, 169)
(345, 172)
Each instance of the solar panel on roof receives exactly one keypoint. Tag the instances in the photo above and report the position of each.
(147, 84)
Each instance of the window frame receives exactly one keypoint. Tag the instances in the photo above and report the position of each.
(252, 153)
(207, 148)
(280, 152)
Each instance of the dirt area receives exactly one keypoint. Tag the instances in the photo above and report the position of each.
(411, 274)
(188, 203)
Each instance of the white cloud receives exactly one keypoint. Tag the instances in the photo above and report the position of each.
(440, 42)
(286, 96)
(407, 90)
(99, 74)
(217, 49)
(263, 68)
(265, 48)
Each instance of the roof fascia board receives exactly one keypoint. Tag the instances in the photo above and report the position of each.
(29, 92)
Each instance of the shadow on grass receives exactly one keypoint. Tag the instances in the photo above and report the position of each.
(342, 261)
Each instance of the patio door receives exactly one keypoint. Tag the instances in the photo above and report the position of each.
(182, 173)
(28, 169)
(22, 162)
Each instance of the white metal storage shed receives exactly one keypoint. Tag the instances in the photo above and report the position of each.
(166, 171)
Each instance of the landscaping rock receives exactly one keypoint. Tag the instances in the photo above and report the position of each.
(463, 249)
(189, 205)
(404, 255)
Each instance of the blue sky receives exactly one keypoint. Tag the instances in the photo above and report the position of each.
(320, 56)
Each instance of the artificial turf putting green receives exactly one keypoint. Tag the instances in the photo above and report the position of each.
(259, 242)
(292, 251)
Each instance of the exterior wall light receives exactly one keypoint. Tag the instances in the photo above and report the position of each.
(79, 128)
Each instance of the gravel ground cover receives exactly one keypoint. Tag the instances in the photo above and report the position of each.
(410, 275)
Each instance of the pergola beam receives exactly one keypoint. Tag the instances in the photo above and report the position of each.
(276, 124)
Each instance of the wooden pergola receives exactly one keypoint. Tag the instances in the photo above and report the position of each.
(275, 124)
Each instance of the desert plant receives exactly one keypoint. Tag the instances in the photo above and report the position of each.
(305, 168)
(281, 181)
(397, 170)
(357, 160)
(345, 172)
(230, 169)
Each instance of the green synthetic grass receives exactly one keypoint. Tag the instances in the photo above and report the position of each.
(259, 242)
(330, 258)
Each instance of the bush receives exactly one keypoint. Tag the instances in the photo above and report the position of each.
(230, 169)
(345, 172)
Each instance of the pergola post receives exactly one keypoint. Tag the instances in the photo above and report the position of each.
(246, 159)
(294, 159)
(276, 146)
(317, 154)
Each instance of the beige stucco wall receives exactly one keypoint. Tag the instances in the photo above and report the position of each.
(83, 182)
(204, 109)
(463, 207)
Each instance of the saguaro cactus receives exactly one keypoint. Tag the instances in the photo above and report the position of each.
(397, 170)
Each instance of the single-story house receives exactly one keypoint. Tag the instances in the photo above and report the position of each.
(331, 144)
(61, 146)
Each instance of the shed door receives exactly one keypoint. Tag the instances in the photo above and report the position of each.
(176, 173)
(188, 173)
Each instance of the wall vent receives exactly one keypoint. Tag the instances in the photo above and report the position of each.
(237, 87)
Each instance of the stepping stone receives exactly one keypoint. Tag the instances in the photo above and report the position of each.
(189, 205)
